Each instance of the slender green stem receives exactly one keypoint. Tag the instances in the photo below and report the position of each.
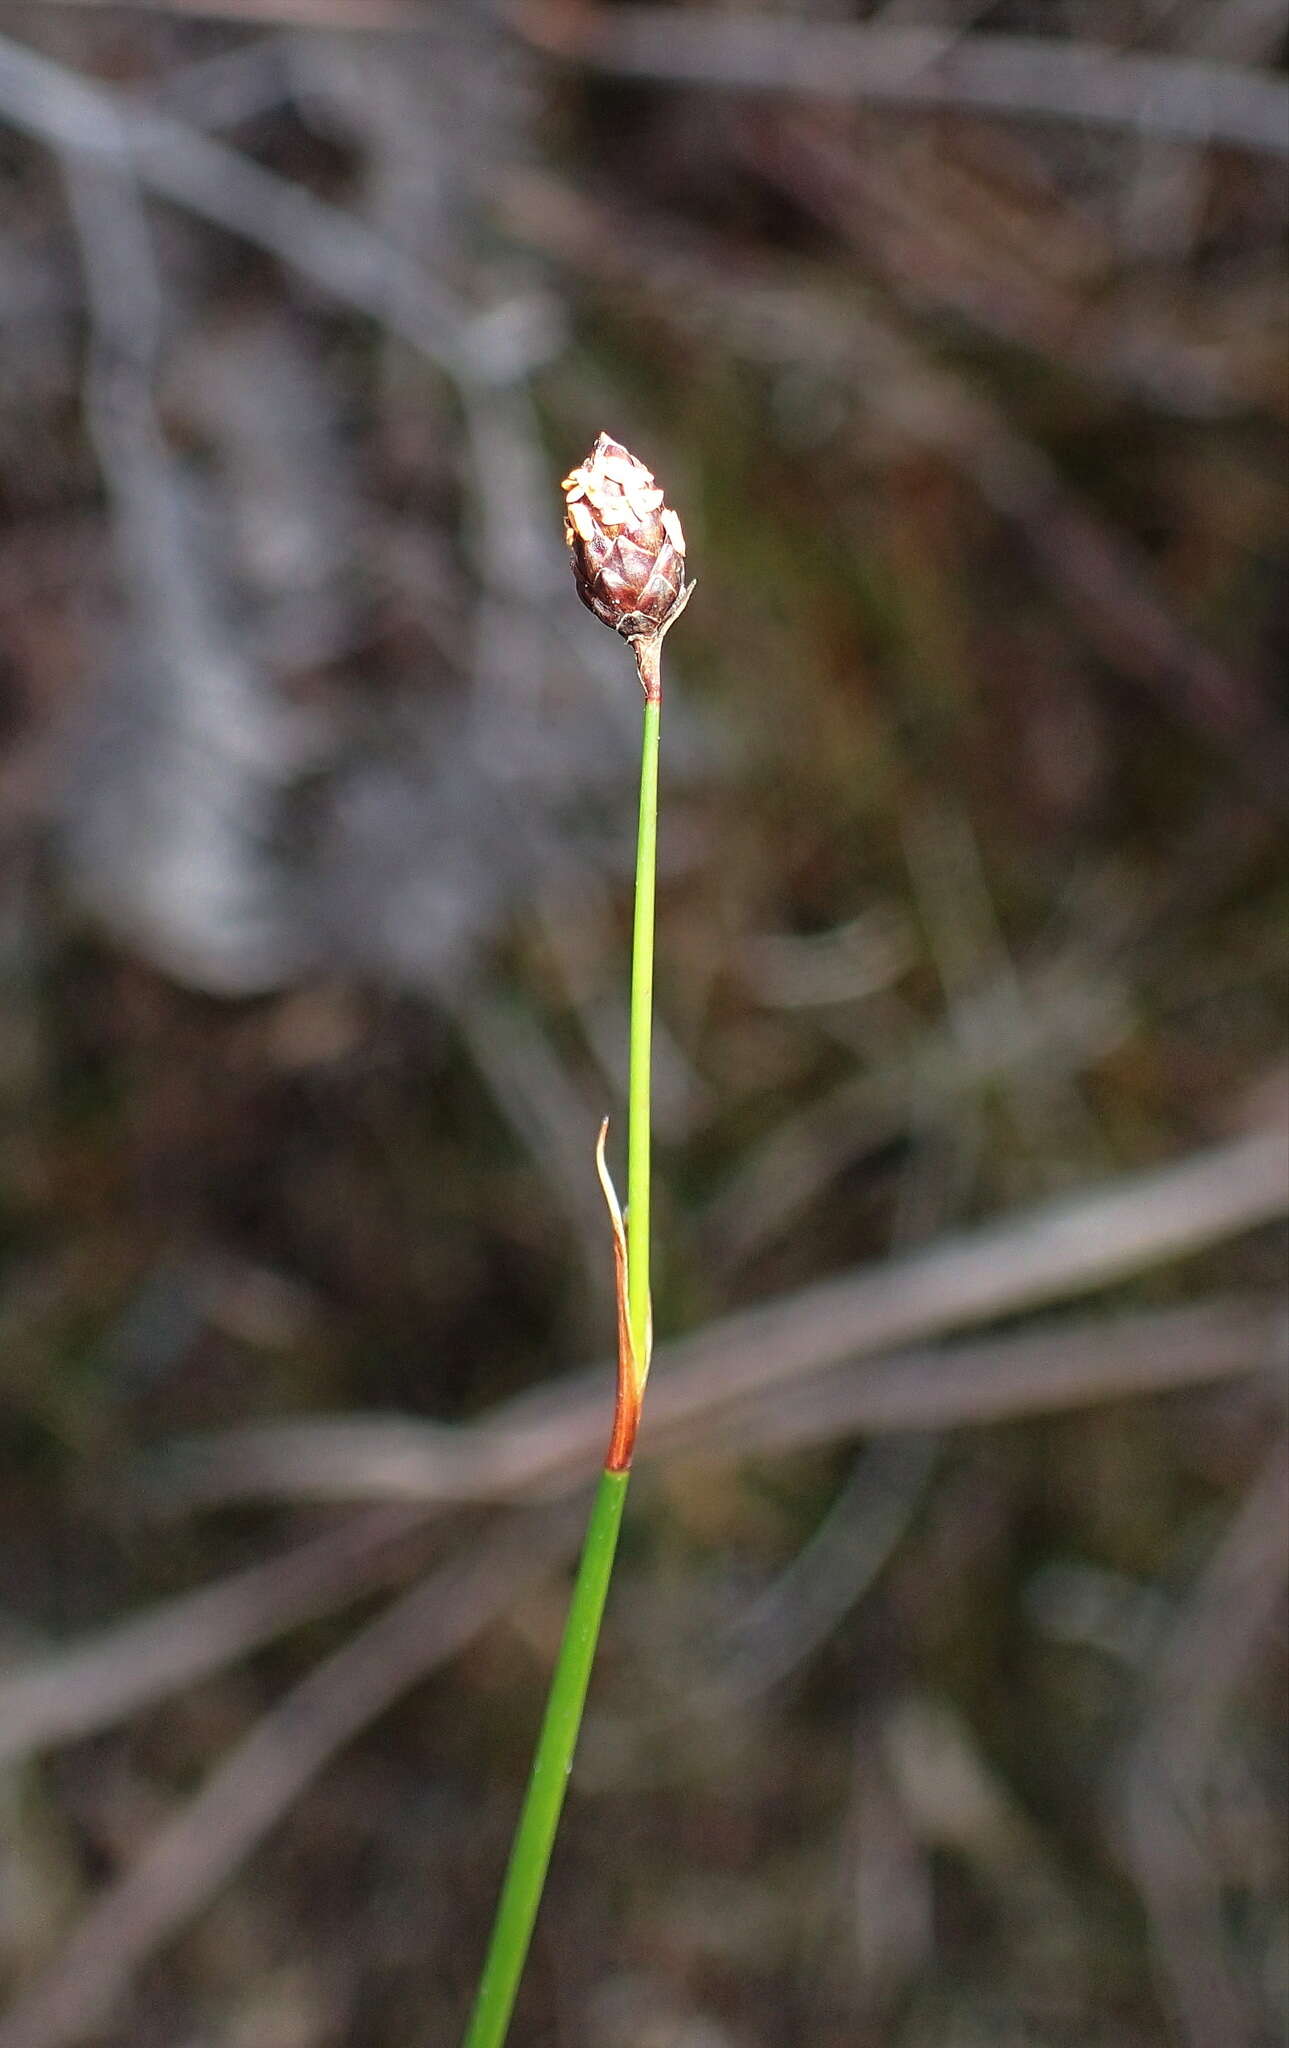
(544, 1800)
(638, 1087)
(535, 1835)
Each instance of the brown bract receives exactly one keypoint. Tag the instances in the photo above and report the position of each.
(628, 548)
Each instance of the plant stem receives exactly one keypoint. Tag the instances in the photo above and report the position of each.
(544, 1800)
(535, 1834)
(639, 1083)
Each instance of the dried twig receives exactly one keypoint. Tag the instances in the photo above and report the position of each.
(1057, 1252)
(193, 1854)
(170, 833)
(93, 1684)
(1025, 77)
(1093, 1361)
(108, 1676)
(363, 16)
(1077, 1364)
(219, 184)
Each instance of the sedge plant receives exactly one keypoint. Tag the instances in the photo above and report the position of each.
(628, 555)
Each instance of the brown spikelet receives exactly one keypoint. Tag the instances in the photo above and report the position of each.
(628, 548)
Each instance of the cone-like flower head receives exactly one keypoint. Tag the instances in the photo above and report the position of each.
(628, 548)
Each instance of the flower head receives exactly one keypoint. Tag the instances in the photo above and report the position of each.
(628, 547)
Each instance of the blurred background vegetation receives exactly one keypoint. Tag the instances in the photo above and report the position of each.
(942, 1696)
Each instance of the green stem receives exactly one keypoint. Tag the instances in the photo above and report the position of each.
(535, 1834)
(638, 1086)
(544, 1800)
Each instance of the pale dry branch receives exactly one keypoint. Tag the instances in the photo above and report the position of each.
(361, 16)
(510, 1456)
(1045, 78)
(108, 1676)
(1076, 1364)
(193, 1854)
(1058, 1252)
(168, 832)
(93, 1684)
(318, 241)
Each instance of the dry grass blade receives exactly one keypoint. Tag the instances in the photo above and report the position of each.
(510, 1456)
(93, 1684)
(362, 16)
(175, 1643)
(1029, 78)
(220, 185)
(1067, 1249)
(1074, 1364)
(192, 1855)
